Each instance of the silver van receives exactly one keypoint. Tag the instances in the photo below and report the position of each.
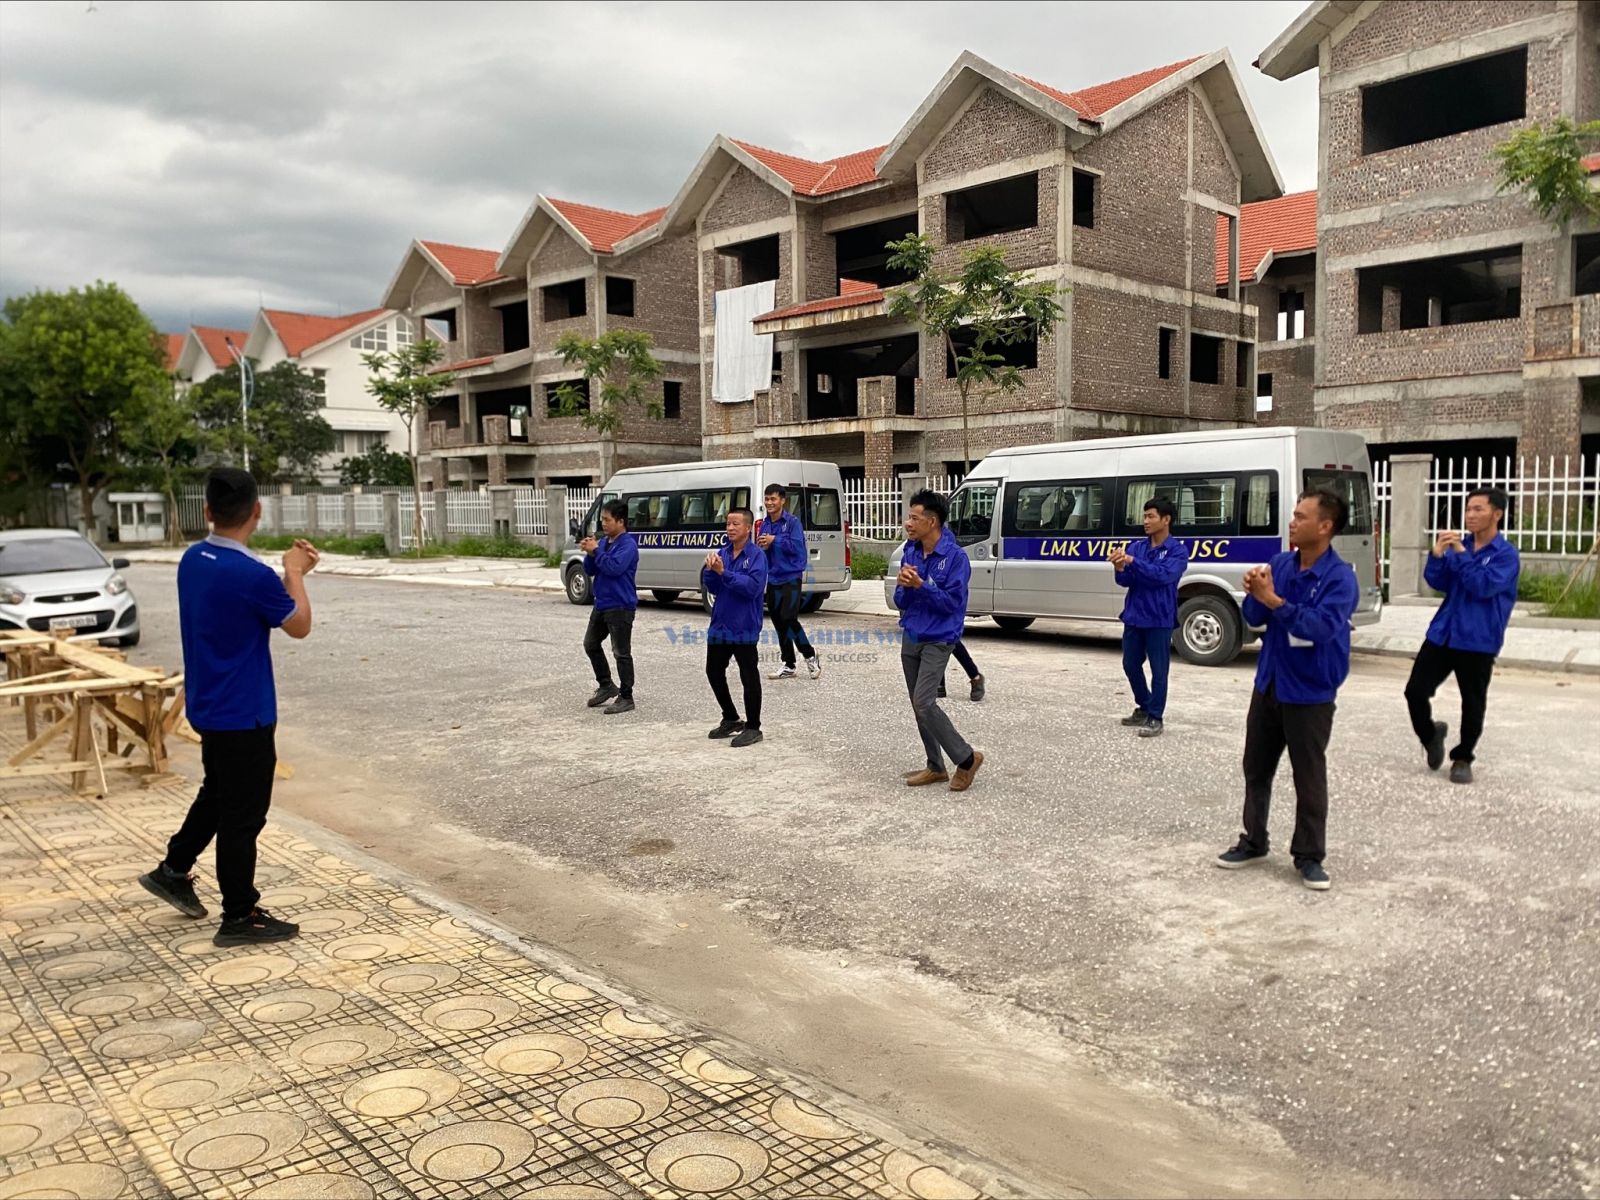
(680, 511)
(1038, 523)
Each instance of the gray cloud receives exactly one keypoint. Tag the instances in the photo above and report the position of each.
(212, 156)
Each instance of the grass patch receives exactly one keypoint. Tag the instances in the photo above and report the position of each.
(369, 545)
(864, 564)
(473, 546)
(1581, 601)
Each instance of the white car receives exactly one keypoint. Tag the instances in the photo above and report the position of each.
(54, 577)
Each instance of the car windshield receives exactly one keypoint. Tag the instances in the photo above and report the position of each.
(39, 556)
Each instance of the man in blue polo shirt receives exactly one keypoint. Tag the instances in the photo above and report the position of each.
(1479, 582)
(784, 539)
(931, 594)
(229, 602)
(736, 576)
(1150, 569)
(1304, 598)
(612, 561)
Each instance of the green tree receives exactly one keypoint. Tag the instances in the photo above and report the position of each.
(406, 383)
(378, 467)
(616, 368)
(972, 313)
(79, 367)
(164, 442)
(286, 432)
(1545, 163)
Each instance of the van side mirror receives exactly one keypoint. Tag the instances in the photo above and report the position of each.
(575, 529)
(120, 564)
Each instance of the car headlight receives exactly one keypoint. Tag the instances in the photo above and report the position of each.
(116, 585)
(10, 595)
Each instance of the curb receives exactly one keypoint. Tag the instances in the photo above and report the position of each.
(1565, 667)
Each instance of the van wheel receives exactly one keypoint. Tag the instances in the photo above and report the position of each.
(705, 601)
(1209, 631)
(813, 602)
(1013, 624)
(577, 584)
(665, 595)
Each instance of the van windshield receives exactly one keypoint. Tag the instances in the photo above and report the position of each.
(1356, 489)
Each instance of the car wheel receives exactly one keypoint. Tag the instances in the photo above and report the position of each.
(665, 595)
(814, 601)
(1013, 624)
(579, 590)
(130, 640)
(1209, 631)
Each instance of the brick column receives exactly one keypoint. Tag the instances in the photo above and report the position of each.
(1409, 519)
(1551, 413)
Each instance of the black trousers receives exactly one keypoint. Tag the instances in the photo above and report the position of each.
(1304, 730)
(783, 602)
(718, 656)
(231, 806)
(616, 623)
(961, 655)
(1434, 664)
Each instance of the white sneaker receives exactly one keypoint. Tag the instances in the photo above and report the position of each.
(814, 666)
(784, 673)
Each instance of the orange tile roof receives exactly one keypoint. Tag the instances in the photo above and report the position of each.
(1590, 163)
(1094, 102)
(463, 365)
(172, 345)
(1281, 226)
(300, 331)
(467, 265)
(811, 178)
(850, 299)
(215, 342)
(603, 228)
(854, 287)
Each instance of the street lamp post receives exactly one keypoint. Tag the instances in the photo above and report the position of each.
(247, 383)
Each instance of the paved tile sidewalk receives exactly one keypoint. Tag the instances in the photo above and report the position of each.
(393, 1050)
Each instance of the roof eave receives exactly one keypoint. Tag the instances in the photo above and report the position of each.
(697, 189)
(260, 330)
(513, 259)
(899, 157)
(644, 237)
(1295, 49)
(382, 314)
(398, 293)
(842, 315)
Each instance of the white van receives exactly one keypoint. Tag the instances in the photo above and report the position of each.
(1038, 523)
(680, 511)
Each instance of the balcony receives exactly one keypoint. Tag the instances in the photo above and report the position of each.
(1565, 329)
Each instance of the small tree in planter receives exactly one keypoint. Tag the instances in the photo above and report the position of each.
(993, 305)
(405, 384)
(616, 368)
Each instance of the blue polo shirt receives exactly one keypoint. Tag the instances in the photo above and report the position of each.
(1305, 649)
(936, 611)
(739, 592)
(1152, 583)
(229, 602)
(1480, 589)
(787, 556)
(614, 565)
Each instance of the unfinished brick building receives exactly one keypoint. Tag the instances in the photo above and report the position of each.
(1447, 312)
(1278, 271)
(498, 315)
(1114, 191)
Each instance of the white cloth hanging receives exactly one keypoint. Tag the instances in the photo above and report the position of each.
(742, 365)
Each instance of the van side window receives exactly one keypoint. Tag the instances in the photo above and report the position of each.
(972, 513)
(1054, 507)
(648, 511)
(1205, 503)
(822, 510)
(1260, 503)
(1356, 489)
(709, 509)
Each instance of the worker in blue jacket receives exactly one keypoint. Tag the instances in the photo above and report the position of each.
(736, 577)
(931, 594)
(1150, 569)
(1304, 598)
(1479, 582)
(783, 539)
(613, 564)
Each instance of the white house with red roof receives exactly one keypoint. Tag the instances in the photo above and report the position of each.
(205, 352)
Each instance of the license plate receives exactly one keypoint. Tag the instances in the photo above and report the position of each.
(81, 621)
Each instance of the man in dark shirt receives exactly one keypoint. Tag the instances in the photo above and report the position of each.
(1479, 582)
(1150, 569)
(1304, 598)
(612, 561)
(736, 577)
(229, 602)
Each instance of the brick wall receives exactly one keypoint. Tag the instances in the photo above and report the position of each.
(993, 129)
(1292, 370)
(1414, 419)
(744, 200)
(1552, 411)
(432, 289)
(1399, 26)
(664, 292)
(1213, 173)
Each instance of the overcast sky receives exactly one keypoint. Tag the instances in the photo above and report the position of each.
(211, 158)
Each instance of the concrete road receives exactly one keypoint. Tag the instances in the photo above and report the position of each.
(1046, 970)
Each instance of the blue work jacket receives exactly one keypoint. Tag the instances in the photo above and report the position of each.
(1152, 583)
(936, 611)
(1480, 588)
(614, 565)
(737, 594)
(1305, 650)
(787, 556)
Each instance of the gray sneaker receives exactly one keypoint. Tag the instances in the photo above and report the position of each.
(814, 666)
(1136, 719)
(604, 692)
(977, 688)
(621, 704)
(1152, 728)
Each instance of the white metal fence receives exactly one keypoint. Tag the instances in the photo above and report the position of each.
(468, 512)
(532, 511)
(1554, 503)
(1382, 506)
(369, 512)
(294, 512)
(874, 508)
(330, 511)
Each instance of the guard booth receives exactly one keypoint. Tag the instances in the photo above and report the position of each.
(140, 516)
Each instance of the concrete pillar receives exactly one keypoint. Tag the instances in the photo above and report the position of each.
(391, 521)
(503, 510)
(313, 521)
(909, 486)
(1409, 519)
(879, 454)
(557, 518)
(441, 517)
(349, 514)
(497, 465)
(273, 514)
(439, 472)
(1552, 414)
(1391, 310)
(1233, 259)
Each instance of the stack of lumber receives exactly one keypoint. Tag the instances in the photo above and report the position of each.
(115, 716)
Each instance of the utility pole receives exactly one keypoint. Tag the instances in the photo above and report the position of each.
(247, 383)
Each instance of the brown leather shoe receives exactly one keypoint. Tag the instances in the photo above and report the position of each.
(963, 778)
(924, 777)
